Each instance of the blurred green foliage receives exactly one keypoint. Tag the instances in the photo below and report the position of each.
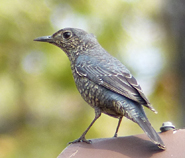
(40, 108)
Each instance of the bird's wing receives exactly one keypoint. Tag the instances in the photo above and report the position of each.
(113, 75)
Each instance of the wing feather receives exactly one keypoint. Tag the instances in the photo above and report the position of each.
(112, 75)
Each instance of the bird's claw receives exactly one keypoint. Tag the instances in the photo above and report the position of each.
(81, 139)
(115, 135)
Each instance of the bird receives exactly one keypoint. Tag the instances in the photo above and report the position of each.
(103, 81)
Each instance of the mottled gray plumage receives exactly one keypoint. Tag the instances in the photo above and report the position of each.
(103, 81)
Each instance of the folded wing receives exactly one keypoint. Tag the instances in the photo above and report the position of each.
(113, 75)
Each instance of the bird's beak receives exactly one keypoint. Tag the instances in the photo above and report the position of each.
(44, 39)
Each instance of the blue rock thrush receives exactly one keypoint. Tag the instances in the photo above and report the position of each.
(103, 81)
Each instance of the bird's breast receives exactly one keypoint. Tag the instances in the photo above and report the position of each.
(90, 91)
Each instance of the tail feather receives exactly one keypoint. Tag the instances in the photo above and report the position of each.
(135, 112)
(150, 131)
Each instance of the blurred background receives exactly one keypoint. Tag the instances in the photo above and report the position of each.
(40, 107)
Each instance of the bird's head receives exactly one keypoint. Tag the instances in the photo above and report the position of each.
(70, 40)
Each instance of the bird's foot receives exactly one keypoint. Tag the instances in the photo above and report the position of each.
(81, 139)
(115, 135)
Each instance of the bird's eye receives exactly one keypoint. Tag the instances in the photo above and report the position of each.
(66, 35)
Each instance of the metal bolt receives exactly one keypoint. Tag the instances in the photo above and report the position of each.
(166, 126)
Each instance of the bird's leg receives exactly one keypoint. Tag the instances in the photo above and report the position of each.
(119, 122)
(82, 138)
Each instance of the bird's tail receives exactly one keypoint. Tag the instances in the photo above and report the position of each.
(150, 131)
(135, 112)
